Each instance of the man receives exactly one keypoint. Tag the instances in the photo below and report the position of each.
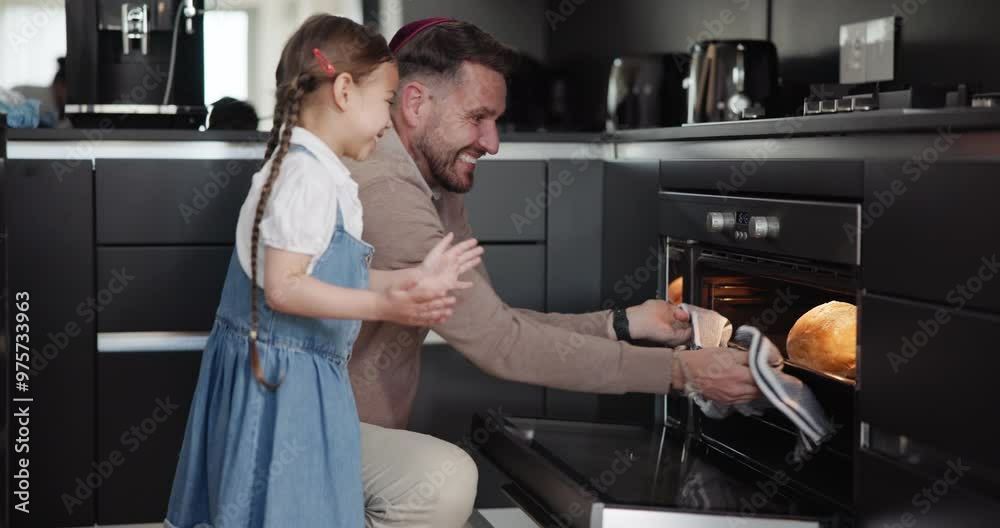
(452, 90)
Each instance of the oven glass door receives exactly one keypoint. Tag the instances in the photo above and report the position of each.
(770, 294)
(585, 475)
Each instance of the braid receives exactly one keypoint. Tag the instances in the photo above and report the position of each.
(299, 87)
(279, 118)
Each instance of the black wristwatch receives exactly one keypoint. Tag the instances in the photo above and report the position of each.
(619, 322)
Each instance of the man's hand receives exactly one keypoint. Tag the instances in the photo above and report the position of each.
(721, 374)
(656, 320)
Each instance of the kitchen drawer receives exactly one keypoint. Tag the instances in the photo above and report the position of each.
(507, 201)
(174, 288)
(930, 234)
(517, 272)
(143, 400)
(928, 380)
(170, 201)
(736, 177)
(892, 496)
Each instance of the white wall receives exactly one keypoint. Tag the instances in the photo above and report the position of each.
(271, 23)
(32, 37)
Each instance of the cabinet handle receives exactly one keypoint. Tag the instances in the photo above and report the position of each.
(176, 341)
(151, 341)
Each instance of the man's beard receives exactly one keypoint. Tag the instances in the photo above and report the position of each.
(442, 165)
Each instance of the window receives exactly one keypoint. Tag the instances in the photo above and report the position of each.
(34, 36)
(227, 55)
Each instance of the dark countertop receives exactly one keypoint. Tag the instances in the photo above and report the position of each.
(881, 121)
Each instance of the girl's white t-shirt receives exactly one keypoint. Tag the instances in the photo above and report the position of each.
(301, 212)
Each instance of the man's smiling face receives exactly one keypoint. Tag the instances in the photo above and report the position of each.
(463, 126)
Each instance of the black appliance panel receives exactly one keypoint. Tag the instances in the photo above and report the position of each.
(806, 231)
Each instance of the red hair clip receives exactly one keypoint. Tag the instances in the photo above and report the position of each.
(324, 63)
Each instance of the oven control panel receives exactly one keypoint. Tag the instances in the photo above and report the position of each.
(742, 225)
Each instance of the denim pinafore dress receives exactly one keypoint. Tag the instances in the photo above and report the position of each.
(253, 457)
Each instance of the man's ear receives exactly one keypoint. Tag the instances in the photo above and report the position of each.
(414, 100)
(342, 87)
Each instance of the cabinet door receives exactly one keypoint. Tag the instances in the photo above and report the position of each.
(931, 234)
(507, 202)
(50, 256)
(925, 371)
(168, 289)
(143, 400)
(170, 201)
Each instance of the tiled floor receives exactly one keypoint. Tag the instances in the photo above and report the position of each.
(498, 517)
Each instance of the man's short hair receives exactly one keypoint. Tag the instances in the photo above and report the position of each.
(439, 51)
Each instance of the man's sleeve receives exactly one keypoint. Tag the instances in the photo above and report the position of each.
(592, 323)
(402, 224)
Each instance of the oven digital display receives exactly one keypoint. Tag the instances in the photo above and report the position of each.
(742, 218)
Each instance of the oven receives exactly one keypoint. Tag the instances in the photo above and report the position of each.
(765, 262)
(760, 260)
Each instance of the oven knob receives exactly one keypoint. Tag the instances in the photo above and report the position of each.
(764, 227)
(719, 222)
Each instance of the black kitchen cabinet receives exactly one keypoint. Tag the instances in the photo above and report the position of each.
(143, 401)
(149, 201)
(169, 288)
(928, 233)
(50, 257)
(507, 201)
(603, 249)
(909, 351)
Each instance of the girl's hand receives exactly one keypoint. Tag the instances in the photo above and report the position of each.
(443, 265)
(407, 304)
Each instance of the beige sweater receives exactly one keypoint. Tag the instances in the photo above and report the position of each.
(403, 219)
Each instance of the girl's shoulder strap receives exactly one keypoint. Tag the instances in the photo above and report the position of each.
(296, 147)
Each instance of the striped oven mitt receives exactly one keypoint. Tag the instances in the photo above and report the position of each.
(784, 392)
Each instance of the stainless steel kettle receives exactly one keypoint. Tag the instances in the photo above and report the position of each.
(731, 80)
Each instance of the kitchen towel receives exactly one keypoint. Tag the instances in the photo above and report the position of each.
(784, 392)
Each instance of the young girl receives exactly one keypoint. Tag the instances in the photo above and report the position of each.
(273, 437)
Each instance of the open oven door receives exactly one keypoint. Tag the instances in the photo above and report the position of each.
(587, 475)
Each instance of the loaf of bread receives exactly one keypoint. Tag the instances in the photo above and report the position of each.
(675, 290)
(825, 339)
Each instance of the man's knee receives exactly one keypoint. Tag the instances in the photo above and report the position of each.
(448, 485)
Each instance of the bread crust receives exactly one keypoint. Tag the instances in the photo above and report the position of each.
(825, 339)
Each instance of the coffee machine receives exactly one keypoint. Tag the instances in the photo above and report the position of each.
(137, 63)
